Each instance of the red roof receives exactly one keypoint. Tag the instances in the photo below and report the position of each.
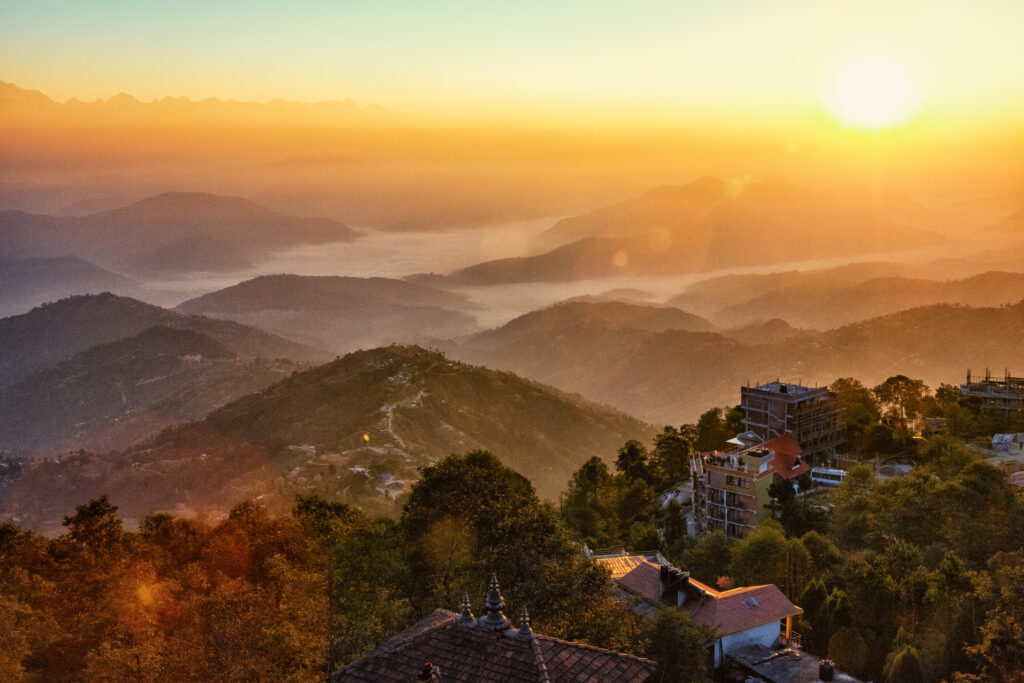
(469, 653)
(644, 579)
(727, 612)
(741, 609)
(787, 462)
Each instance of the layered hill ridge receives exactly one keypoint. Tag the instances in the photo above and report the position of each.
(29, 282)
(341, 313)
(114, 394)
(834, 297)
(327, 428)
(141, 230)
(710, 224)
(670, 376)
(53, 332)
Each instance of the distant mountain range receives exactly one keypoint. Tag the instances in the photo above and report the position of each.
(330, 428)
(710, 224)
(670, 376)
(834, 297)
(29, 282)
(57, 331)
(341, 313)
(171, 231)
(114, 394)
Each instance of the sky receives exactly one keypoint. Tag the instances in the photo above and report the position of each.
(671, 61)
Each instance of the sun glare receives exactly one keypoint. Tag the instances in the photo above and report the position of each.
(873, 92)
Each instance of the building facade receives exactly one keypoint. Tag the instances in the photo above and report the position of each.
(811, 415)
(1005, 394)
(730, 490)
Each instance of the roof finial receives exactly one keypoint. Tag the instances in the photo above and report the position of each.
(494, 620)
(524, 624)
(466, 615)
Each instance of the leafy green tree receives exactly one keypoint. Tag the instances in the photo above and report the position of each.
(905, 666)
(712, 432)
(709, 558)
(860, 411)
(849, 651)
(902, 398)
(634, 463)
(680, 647)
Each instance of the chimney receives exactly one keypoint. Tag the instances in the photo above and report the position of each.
(672, 584)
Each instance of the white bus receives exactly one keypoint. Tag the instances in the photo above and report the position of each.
(827, 477)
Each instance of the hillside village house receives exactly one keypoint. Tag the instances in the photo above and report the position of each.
(753, 624)
(1006, 394)
(730, 490)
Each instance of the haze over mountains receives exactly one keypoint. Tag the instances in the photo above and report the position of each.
(164, 231)
(710, 224)
(590, 262)
(340, 313)
(674, 374)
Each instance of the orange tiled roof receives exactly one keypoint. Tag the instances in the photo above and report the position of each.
(741, 609)
(787, 462)
(467, 653)
(620, 565)
(725, 611)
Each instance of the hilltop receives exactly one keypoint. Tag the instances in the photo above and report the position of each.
(29, 282)
(340, 313)
(114, 394)
(332, 430)
(56, 331)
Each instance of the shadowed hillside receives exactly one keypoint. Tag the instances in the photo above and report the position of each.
(333, 430)
(114, 394)
(53, 332)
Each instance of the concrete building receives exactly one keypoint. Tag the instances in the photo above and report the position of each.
(730, 490)
(809, 414)
(1005, 394)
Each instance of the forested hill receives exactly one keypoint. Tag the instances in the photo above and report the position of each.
(386, 410)
(56, 331)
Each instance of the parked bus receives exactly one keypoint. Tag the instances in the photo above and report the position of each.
(827, 477)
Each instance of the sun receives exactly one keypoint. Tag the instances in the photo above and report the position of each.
(873, 92)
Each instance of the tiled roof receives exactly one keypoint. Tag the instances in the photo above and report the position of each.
(620, 565)
(787, 462)
(644, 579)
(741, 609)
(469, 653)
(727, 612)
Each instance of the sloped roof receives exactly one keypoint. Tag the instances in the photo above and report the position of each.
(725, 611)
(468, 653)
(741, 609)
(644, 579)
(621, 565)
(787, 462)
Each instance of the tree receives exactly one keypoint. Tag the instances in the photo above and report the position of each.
(848, 650)
(902, 398)
(632, 462)
(671, 455)
(680, 647)
(905, 666)
(859, 408)
(710, 558)
(711, 431)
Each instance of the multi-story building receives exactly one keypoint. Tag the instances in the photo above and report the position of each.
(1006, 393)
(730, 490)
(809, 414)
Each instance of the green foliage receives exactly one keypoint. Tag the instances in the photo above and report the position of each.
(712, 431)
(680, 647)
(710, 558)
(905, 666)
